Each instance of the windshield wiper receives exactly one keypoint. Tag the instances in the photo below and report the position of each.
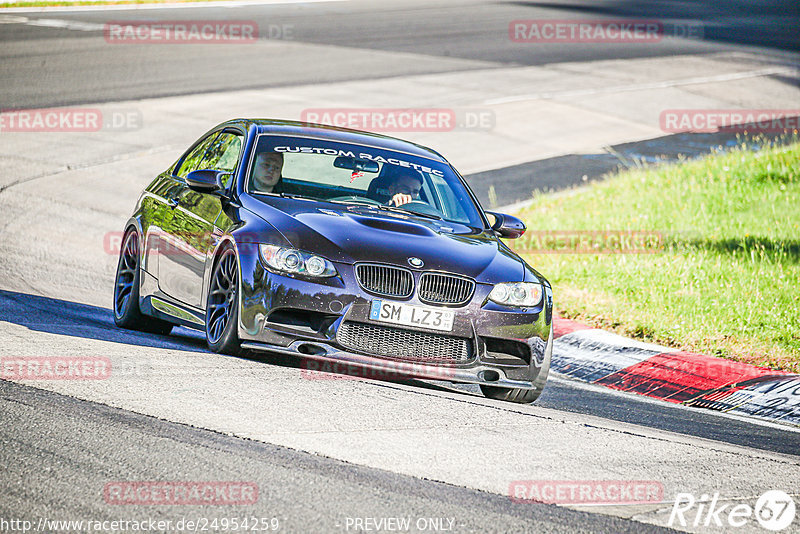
(354, 203)
(384, 207)
(417, 213)
(284, 195)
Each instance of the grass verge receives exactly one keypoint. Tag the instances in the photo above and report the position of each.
(725, 280)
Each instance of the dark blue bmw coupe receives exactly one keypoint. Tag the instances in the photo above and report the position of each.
(338, 246)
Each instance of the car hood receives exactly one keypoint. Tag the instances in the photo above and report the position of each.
(360, 234)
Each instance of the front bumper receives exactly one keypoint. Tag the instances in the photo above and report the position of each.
(363, 366)
(340, 299)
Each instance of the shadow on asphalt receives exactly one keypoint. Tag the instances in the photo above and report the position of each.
(61, 317)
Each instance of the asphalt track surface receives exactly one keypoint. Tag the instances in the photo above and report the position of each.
(80, 320)
(66, 450)
(59, 449)
(47, 65)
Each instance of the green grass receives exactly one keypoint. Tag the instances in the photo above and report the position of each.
(726, 282)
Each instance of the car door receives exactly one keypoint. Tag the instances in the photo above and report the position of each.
(158, 208)
(189, 231)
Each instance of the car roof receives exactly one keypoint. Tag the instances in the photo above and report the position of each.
(335, 133)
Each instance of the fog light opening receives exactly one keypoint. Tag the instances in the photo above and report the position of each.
(490, 376)
(311, 349)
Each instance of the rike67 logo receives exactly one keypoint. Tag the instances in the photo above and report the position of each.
(774, 510)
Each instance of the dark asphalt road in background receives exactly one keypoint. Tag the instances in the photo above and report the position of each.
(519, 183)
(47, 66)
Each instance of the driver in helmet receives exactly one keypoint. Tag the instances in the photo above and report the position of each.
(403, 185)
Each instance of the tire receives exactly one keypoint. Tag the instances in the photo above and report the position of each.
(520, 396)
(222, 305)
(126, 291)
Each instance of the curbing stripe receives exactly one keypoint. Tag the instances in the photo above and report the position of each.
(588, 357)
(600, 357)
(682, 376)
(770, 397)
(562, 327)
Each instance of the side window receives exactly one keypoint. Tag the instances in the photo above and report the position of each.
(190, 163)
(223, 154)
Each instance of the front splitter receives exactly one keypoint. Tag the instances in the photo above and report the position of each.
(382, 369)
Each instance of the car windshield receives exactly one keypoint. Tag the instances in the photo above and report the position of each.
(354, 174)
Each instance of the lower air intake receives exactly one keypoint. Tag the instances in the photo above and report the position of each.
(397, 343)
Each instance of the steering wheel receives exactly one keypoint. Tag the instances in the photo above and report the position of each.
(419, 206)
(412, 202)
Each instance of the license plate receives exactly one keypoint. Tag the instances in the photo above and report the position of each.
(408, 315)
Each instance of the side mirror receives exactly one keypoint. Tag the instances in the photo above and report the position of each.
(507, 226)
(205, 181)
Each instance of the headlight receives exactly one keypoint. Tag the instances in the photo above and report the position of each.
(289, 260)
(521, 294)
